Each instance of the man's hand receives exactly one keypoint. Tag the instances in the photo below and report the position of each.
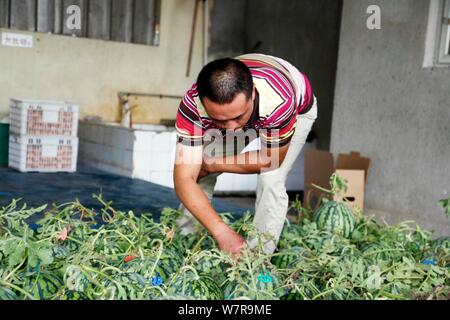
(228, 240)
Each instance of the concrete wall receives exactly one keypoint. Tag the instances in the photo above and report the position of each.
(228, 28)
(394, 111)
(91, 72)
(305, 33)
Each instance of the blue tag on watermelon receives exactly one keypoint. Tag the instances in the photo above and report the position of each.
(429, 262)
(157, 281)
(265, 277)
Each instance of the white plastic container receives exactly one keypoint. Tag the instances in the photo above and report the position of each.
(43, 118)
(43, 153)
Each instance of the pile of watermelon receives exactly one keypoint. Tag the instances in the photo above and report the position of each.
(77, 253)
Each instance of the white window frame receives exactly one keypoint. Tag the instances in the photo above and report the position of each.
(437, 43)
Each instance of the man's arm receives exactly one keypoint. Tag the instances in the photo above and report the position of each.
(188, 164)
(248, 163)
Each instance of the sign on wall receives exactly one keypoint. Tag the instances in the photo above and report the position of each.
(17, 40)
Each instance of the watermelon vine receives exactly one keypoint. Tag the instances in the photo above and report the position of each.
(77, 253)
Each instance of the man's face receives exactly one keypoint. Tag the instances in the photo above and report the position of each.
(231, 116)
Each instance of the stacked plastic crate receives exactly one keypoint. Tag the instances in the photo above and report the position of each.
(43, 136)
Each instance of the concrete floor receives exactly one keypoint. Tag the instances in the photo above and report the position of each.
(36, 189)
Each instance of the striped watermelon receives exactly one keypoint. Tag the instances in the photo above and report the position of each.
(441, 248)
(292, 296)
(335, 217)
(379, 252)
(72, 245)
(59, 252)
(308, 289)
(73, 295)
(201, 287)
(266, 286)
(209, 264)
(7, 294)
(43, 286)
(290, 236)
(161, 268)
(75, 279)
(441, 244)
(288, 258)
(375, 251)
(172, 259)
(77, 236)
(174, 297)
(125, 286)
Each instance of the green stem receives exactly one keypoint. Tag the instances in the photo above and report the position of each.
(12, 286)
(197, 245)
(15, 269)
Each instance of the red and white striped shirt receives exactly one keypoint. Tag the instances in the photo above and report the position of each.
(283, 92)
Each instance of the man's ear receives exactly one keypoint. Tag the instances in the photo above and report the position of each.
(254, 93)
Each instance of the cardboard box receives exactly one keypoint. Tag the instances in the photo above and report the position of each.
(319, 166)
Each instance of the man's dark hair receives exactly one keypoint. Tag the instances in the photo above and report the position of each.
(221, 80)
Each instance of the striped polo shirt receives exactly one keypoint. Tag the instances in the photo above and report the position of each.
(283, 92)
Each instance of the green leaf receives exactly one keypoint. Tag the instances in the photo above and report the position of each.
(45, 255)
(17, 256)
(356, 235)
(338, 184)
(33, 260)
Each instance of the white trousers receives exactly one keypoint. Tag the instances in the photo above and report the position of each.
(271, 197)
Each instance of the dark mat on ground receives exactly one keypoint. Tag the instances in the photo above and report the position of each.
(36, 189)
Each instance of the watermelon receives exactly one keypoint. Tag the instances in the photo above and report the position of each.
(335, 217)
(59, 252)
(174, 297)
(290, 236)
(73, 295)
(441, 244)
(75, 279)
(438, 253)
(144, 267)
(172, 259)
(266, 286)
(126, 286)
(77, 236)
(72, 244)
(201, 287)
(375, 251)
(379, 252)
(211, 264)
(44, 285)
(308, 289)
(7, 294)
(292, 296)
(288, 258)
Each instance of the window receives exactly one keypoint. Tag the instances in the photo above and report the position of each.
(133, 21)
(437, 46)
